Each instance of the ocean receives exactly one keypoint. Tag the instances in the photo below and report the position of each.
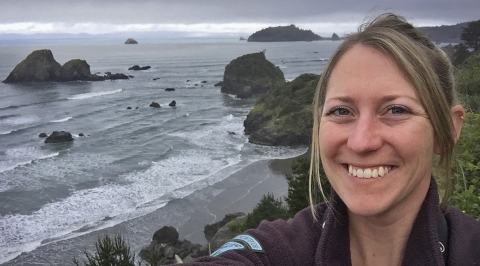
(134, 170)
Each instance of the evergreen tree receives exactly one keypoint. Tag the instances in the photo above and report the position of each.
(471, 35)
(269, 209)
(298, 196)
(109, 251)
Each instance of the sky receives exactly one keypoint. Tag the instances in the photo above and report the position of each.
(203, 18)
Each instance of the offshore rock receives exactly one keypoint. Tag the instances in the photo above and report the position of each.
(155, 105)
(253, 71)
(284, 115)
(59, 136)
(137, 67)
(172, 104)
(130, 41)
(39, 66)
(76, 69)
(283, 34)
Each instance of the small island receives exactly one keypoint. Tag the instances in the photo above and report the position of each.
(131, 41)
(284, 34)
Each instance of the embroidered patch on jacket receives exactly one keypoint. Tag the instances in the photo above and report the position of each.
(226, 247)
(250, 241)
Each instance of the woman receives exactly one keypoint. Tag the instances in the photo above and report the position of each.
(385, 104)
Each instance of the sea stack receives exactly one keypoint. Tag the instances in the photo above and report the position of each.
(130, 41)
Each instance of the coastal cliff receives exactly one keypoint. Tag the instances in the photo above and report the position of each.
(283, 34)
(283, 116)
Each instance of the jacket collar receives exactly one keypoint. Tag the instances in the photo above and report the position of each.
(423, 246)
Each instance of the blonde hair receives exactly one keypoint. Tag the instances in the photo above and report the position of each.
(424, 65)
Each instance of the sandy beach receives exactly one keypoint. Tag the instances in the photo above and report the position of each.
(239, 192)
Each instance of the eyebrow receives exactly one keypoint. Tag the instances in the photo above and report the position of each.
(388, 98)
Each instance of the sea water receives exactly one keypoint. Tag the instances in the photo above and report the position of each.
(130, 162)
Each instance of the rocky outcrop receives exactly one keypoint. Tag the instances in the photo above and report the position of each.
(137, 67)
(251, 74)
(59, 136)
(40, 66)
(130, 41)
(165, 245)
(335, 37)
(76, 69)
(155, 105)
(284, 116)
(211, 229)
(224, 234)
(283, 34)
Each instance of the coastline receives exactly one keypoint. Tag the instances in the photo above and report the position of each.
(239, 192)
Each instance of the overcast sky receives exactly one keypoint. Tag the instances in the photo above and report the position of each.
(228, 17)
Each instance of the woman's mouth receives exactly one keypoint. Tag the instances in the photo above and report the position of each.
(372, 172)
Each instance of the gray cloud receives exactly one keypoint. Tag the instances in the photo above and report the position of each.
(274, 12)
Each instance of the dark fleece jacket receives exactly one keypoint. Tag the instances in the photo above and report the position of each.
(303, 241)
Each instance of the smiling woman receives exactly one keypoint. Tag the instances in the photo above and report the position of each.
(384, 107)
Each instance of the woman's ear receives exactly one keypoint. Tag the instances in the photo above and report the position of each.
(458, 115)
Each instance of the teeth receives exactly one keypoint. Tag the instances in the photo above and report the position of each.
(369, 173)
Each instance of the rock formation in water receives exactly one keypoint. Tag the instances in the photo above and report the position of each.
(283, 34)
(251, 74)
(284, 115)
(137, 67)
(130, 41)
(59, 136)
(40, 66)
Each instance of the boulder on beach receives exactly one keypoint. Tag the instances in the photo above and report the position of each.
(253, 71)
(155, 105)
(137, 67)
(131, 41)
(172, 104)
(59, 136)
(39, 66)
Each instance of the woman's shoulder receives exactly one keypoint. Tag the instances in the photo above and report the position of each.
(464, 237)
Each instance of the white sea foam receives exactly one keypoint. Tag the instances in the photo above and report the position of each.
(20, 120)
(92, 94)
(22, 156)
(6, 132)
(61, 120)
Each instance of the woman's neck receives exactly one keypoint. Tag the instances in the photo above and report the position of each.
(380, 241)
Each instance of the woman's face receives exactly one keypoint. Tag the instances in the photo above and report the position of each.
(376, 142)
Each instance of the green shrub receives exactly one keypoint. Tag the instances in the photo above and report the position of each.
(235, 226)
(109, 251)
(269, 209)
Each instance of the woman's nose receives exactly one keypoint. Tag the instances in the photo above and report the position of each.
(364, 136)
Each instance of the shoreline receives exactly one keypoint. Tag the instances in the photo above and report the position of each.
(239, 192)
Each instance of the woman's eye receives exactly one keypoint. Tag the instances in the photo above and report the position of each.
(340, 111)
(397, 110)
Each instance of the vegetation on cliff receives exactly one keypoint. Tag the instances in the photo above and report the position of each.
(251, 74)
(283, 34)
(283, 116)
